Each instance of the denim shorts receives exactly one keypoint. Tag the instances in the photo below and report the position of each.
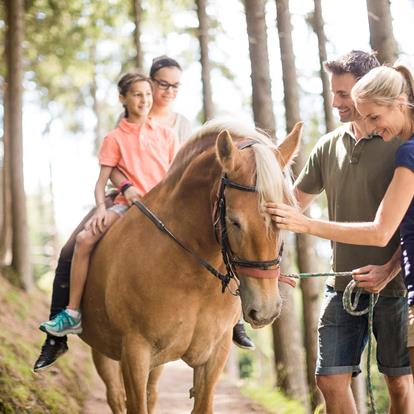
(342, 337)
(410, 336)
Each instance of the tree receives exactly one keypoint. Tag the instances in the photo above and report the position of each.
(304, 243)
(137, 11)
(317, 24)
(259, 61)
(14, 149)
(203, 38)
(380, 28)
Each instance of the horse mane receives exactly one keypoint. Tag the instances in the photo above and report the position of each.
(272, 183)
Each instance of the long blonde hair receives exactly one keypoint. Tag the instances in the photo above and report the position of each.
(384, 85)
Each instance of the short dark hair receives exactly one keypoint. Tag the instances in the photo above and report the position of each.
(356, 62)
(163, 62)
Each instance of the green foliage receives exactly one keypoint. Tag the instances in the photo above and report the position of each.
(273, 400)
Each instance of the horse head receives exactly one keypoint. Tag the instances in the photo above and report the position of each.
(252, 175)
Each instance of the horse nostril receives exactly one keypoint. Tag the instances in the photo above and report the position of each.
(253, 315)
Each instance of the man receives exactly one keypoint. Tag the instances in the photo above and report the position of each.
(355, 170)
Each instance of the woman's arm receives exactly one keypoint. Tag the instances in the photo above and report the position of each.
(377, 233)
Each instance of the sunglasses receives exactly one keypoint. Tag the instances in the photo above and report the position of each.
(164, 85)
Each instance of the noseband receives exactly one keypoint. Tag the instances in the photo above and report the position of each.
(257, 269)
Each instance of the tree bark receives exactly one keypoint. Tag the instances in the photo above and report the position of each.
(20, 241)
(137, 10)
(318, 27)
(6, 228)
(203, 38)
(259, 60)
(304, 243)
(381, 33)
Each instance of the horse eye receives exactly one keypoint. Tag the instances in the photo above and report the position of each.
(235, 223)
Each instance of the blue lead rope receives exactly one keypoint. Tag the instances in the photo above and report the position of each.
(350, 307)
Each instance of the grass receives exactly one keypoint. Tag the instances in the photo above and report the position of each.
(272, 400)
(61, 389)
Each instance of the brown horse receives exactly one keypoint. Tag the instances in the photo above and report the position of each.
(149, 301)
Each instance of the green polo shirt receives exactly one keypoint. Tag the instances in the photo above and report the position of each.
(355, 175)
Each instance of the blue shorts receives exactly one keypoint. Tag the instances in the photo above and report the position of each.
(342, 337)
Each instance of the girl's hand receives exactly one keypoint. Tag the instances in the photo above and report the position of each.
(288, 218)
(98, 221)
(131, 194)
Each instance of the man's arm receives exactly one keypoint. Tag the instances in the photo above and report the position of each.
(303, 199)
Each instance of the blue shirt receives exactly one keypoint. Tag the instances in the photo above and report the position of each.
(405, 158)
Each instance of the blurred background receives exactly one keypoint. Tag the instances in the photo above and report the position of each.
(255, 60)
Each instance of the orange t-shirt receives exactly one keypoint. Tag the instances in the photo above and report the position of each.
(142, 152)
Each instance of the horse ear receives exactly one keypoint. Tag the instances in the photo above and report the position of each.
(288, 148)
(226, 151)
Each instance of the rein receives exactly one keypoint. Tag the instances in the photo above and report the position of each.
(225, 279)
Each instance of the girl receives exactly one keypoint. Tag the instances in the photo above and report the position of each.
(385, 99)
(143, 151)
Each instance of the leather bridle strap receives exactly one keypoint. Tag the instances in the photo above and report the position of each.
(225, 279)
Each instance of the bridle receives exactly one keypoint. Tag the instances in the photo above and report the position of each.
(268, 269)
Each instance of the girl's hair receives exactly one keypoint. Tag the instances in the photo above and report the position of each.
(163, 62)
(127, 80)
(384, 85)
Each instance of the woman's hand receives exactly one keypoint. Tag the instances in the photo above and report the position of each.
(131, 194)
(98, 221)
(288, 218)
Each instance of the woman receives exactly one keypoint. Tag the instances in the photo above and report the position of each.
(385, 99)
(166, 75)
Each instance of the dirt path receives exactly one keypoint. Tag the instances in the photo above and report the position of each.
(174, 389)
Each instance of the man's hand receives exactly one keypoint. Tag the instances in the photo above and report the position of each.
(131, 194)
(373, 278)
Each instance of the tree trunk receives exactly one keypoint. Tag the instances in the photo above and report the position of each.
(203, 38)
(137, 10)
(259, 60)
(304, 243)
(381, 33)
(6, 229)
(318, 28)
(20, 241)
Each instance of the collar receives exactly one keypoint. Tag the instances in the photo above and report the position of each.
(134, 128)
(348, 129)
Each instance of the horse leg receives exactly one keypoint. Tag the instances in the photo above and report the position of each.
(152, 393)
(135, 362)
(206, 376)
(109, 370)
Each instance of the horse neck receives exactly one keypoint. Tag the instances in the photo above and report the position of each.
(185, 205)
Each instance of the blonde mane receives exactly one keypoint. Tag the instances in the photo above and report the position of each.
(272, 183)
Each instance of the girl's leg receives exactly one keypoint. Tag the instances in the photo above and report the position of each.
(69, 320)
(85, 242)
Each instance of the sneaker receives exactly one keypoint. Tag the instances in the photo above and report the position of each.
(62, 324)
(52, 349)
(241, 339)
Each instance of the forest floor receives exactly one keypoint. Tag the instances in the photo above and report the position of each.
(174, 386)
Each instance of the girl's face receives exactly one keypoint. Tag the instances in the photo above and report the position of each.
(166, 85)
(387, 121)
(138, 100)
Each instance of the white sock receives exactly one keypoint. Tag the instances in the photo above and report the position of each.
(74, 313)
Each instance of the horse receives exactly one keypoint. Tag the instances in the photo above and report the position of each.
(163, 282)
